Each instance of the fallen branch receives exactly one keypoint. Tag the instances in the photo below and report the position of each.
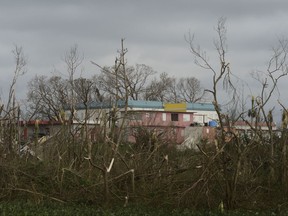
(36, 193)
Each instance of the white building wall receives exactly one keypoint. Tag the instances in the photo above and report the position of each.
(204, 116)
(95, 116)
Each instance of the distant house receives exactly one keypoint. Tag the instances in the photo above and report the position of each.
(242, 125)
(96, 111)
(204, 113)
(249, 128)
(239, 128)
(38, 128)
(152, 115)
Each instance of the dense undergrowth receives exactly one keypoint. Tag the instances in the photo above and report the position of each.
(154, 175)
(48, 208)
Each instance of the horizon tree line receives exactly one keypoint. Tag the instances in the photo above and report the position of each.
(48, 96)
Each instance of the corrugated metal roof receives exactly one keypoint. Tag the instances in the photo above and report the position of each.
(160, 105)
(100, 105)
(201, 106)
(145, 105)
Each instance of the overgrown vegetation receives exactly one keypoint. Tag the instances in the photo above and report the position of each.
(31, 209)
(236, 171)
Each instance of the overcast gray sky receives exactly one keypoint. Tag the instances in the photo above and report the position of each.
(153, 30)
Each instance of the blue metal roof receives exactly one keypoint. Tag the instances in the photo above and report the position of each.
(145, 105)
(100, 105)
(160, 105)
(201, 106)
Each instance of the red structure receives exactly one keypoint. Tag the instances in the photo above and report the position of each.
(38, 128)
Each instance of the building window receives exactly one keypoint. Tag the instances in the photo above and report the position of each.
(174, 116)
(164, 116)
(186, 117)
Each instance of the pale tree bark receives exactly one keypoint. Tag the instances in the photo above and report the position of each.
(221, 77)
(277, 69)
(85, 93)
(73, 61)
(284, 149)
(10, 114)
(116, 75)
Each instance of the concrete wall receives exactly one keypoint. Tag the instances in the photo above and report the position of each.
(193, 136)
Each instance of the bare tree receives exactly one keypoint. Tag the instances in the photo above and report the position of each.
(9, 114)
(190, 89)
(186, 89)
(277, 68)
(73, 60)
(107, 83)
(47, 97)
(175, 90)
(172, 91)
(135, 77)
(232, 150)
(159, 89)
(86, 91)
(137, 80)
(20, 63)
(221, 78)
(119, 77)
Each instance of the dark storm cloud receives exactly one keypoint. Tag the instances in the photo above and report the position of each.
(154, 32)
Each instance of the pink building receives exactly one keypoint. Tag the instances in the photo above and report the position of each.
(155, 117)
(172, 124)
(166, 120)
